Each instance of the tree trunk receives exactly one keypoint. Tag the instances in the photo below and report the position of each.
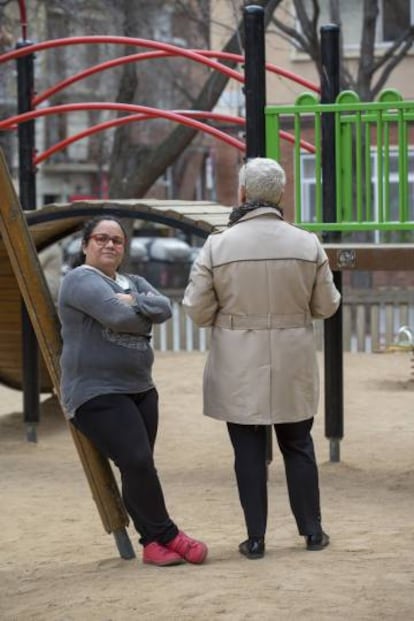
(136, 167)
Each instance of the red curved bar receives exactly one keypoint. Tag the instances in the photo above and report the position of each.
(164, 49)
(180, 116)
(109, 64)
(149, 112)
(91, 39)
(142, 117)
(159, 50)
(269, 67)
(102, 105)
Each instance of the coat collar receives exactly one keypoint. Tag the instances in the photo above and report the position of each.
(261, 211)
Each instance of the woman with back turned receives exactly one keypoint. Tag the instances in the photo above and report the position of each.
(259, 284)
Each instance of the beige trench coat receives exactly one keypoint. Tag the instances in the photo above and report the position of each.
(259, 284)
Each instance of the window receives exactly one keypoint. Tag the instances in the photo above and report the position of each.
(394, 195)
(57, 60)
(393, 19)
(308, 186)
(56, 129)
(308, 194)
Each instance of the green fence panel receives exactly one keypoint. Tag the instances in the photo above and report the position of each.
(365, 132)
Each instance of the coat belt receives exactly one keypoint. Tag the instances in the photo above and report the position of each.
(262, 322)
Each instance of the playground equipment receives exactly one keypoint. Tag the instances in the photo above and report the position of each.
(56, 222)
(23, 258)
(334, 124)
(347, 133)
(405, 337)
(370, 139)
(39, 317)
(405, 341)
(197, 120)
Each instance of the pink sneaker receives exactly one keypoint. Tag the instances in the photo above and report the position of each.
(189, 549)
(156, 554)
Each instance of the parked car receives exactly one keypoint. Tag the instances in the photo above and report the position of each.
(168, 264)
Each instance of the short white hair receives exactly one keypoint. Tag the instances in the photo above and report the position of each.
(263, 179)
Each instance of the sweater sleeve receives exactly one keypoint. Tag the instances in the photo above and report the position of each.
(86, 291)
(150, 302)
(200, 300)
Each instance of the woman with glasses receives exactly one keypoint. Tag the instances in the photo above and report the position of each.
(107, 388)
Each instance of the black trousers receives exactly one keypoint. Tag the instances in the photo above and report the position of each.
(296, 445)
(124, 427)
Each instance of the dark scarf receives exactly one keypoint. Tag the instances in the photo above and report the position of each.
(238, 212)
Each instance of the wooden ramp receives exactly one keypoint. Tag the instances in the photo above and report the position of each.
(53, 223)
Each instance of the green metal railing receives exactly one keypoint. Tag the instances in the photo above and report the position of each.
(374, 160)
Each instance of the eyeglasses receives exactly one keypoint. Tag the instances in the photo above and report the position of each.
(102, 239)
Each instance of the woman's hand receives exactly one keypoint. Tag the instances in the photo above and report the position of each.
(127, 298)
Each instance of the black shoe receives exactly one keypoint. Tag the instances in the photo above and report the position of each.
(252, 548)
(317, 542)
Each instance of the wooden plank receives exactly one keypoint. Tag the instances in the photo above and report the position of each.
(4, 267)
(361, 328)
(9, 353)
(34, 289)
(179, 210)
(212, 220)
(403, 315)
(9, 308)
(375, 327)
(371, 257)
(389, 324)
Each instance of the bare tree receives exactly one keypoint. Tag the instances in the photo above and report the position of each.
(373, 68)
(367, 75)
(135, 167)
(141, 153)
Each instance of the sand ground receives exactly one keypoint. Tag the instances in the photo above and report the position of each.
(58, 564)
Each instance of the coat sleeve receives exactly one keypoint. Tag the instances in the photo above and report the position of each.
(88, 293)
(200, 300)
(325, 296)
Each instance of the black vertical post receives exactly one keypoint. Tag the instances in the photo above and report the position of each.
(334, 417)
(27, 191)
(255, 81)
(255, 98)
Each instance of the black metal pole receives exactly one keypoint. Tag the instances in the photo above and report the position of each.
(255, 81)
(27, 191)
(333, 351)
(255, 98)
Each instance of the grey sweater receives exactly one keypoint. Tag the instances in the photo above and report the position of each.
(106, 342)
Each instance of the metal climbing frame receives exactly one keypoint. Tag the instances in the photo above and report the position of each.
(361, 185)
(372, 142)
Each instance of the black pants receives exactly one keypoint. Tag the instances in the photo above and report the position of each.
(296, 445)
(124, 428)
